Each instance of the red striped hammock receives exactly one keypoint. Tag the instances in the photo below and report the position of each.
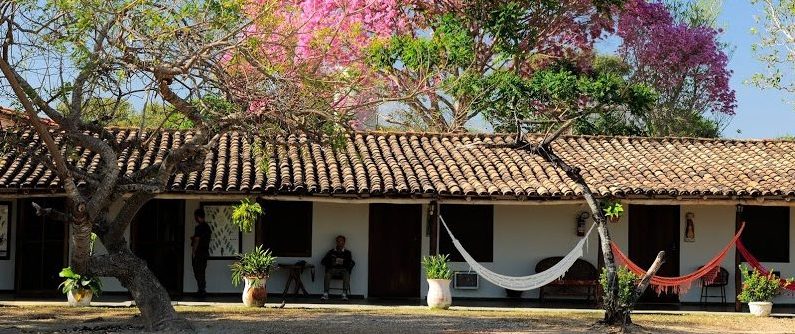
(754, 263)
(709, 272)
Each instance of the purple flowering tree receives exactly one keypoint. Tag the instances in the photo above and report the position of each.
(685, 63)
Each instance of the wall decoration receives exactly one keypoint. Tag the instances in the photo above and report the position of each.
(226, 240)
(690, 228)
(5, 230)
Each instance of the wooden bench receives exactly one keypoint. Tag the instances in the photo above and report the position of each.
(582, 279)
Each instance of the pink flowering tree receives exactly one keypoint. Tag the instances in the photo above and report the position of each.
(681, 57)
(316, 47)
(261, 69)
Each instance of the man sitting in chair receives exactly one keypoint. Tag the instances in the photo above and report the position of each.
(339, 263)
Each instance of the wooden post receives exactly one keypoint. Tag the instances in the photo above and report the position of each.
(738, 218)
(433, 221)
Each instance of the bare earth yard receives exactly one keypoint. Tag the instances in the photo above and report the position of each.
(207, 319)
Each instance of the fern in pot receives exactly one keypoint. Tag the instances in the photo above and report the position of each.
(438, 274)
(80, 289)
(253, 268)
(759, 290)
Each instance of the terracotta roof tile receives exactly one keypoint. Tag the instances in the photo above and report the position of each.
(396, 164)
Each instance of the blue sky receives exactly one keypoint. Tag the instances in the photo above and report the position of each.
(760, 113)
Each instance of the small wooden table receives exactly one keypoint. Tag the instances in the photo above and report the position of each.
(294, 275)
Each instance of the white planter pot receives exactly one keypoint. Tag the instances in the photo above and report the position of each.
(439, 295)
(760, 309)
(255, 293)
(80, 297)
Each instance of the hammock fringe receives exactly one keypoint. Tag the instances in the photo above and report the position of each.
(681, 284)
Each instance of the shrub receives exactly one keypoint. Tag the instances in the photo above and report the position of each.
(436, 267)
(257, 263)
(626, 284)
(758, 287)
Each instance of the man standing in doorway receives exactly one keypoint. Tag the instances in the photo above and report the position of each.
(339, 263)
(200, 243)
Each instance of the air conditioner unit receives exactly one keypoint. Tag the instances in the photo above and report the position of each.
(466, 280)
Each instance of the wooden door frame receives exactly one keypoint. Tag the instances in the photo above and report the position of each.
(677, 240)
(18, 268)
(417, 244)
(179, 290)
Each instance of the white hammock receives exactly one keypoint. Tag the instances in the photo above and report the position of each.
(522, 283)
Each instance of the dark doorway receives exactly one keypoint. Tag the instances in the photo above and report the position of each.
(42, 248)
(394, 259)
(655, 228)
(157, 235)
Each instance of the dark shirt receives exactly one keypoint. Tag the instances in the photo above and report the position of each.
(204, 233)
(338, 259)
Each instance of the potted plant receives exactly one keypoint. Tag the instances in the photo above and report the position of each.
(253, 268)
(79, 290)
(438, 274)
(759, 291)
(613, 210)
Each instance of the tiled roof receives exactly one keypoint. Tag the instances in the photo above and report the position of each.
(391, 164)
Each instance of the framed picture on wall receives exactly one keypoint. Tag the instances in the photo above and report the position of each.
(5, 230)
(226, 239)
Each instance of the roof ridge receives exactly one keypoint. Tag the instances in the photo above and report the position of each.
(505, 134)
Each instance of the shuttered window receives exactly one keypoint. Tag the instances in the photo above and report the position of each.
(286, 228)
(766, 233)
(473, 226)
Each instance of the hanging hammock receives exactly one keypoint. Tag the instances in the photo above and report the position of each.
(522, 283)
(709, 272)
(754, 263)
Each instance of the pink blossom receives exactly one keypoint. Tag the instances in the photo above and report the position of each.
(675, 57)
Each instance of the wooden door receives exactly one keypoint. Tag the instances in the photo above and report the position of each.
(655, 228)
(42, 248)
(157, 236)
(394, 251)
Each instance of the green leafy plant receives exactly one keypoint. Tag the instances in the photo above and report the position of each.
(626, 284)
(758, 287)
(75, 281)
(613, 209)
(436, 267)
(245, 214)
(257, 264)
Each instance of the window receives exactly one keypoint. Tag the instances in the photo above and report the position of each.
(286, 228)
(473, 226)
(766, 232)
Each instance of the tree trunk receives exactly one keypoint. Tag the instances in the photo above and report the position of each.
(641, 287)
(150, 297)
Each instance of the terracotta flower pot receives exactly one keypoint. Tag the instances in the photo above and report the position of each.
(80, 297)
(255, 293)
(439, 295)
(760, 309)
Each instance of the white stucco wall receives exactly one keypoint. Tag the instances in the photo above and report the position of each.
(7, 266)
(714, 227)
(328, 221)
(523, 236)
(218, 275)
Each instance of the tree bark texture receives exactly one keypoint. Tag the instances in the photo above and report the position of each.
(615, 313)
(150, 296)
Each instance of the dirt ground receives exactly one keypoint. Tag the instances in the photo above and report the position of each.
(227, 320)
